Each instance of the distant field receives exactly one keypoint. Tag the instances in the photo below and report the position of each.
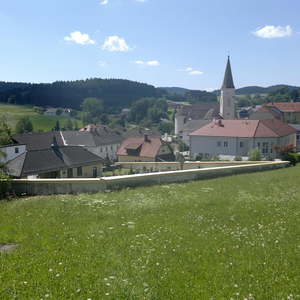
(13, 113)
(228, 238)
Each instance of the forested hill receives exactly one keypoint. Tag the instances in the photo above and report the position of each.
(248, 90)
(114, 92)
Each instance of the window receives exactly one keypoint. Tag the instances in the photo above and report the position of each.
(298, 136)
(225, 144)
(79, 171)
(16, 150)
(70, 173)
(241, 144)
(218, 144)
(265, 148)
(258, 144)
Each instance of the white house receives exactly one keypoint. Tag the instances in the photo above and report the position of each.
(239, 137)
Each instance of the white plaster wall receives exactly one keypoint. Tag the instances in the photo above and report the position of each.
(10, 152)
(227, 104)
(179, 123)
(104, 151)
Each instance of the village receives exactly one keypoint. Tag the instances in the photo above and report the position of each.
(210, 131)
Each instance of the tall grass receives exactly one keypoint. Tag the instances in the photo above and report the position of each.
(228, 238)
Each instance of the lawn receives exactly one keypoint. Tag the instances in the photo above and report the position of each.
(13, 113)
(228, 238)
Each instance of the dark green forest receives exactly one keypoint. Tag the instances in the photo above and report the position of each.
(113, 92)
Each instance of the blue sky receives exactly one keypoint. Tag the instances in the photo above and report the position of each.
(160, 42)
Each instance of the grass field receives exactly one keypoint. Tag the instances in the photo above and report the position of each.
(227, 238)
(13, 113)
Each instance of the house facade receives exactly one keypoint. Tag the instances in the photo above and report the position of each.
(56, 162)
(288, 112)
(145, 149)
(239, 137)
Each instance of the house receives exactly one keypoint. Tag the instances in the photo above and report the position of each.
(56, 162)
(47, 156)
(297, 127)
(239, 137)
(11, 151)
(288, 112)
(50, 111)
(192, 117)
(147, 148)
(101, 140)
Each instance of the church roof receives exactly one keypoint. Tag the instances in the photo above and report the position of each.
(228, 80)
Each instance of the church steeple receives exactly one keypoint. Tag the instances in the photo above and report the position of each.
(227, 99)
(228, 80)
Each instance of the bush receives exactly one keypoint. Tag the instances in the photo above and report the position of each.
(293, 158)
(238, 158)
(4, 186)
(255, 155)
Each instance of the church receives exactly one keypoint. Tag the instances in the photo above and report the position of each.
(192, 117)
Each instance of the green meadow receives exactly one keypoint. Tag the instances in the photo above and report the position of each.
(235, 237)
(13, 113)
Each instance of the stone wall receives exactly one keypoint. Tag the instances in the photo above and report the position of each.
(76, 186)
(142, 167)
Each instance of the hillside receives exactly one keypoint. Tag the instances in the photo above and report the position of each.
(114, 92)
(228, 238)
(175, 90)
(263, 90)
(13, 113)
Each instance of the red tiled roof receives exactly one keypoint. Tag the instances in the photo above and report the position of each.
(148, 148)
(245, 128)
(286, 106)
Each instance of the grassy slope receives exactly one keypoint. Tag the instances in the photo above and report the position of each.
(40, 122)
(228, 238)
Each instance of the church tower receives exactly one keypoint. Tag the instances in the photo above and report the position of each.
(227, 100)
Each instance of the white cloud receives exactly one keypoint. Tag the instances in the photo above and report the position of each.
(270, 31)
(79, 38)
(191, 71)
(151, 63)
(195, 72)
(103, 2)
(115, 43)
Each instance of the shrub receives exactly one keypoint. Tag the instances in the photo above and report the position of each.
(255, 155)
(4, 186)
(238, 158)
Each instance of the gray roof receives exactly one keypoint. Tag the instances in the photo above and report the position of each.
(194, 125)
(228, 80)
(295, 126)
(52, 159)
(92, 139)
(200, 110)
(39, 140)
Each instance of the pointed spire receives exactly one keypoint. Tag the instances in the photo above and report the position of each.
(228, 80)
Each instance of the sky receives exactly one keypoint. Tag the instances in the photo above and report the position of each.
(181, 43)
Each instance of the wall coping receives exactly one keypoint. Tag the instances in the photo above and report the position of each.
(153, 174)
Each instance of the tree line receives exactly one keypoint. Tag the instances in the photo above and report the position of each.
(113, 92)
